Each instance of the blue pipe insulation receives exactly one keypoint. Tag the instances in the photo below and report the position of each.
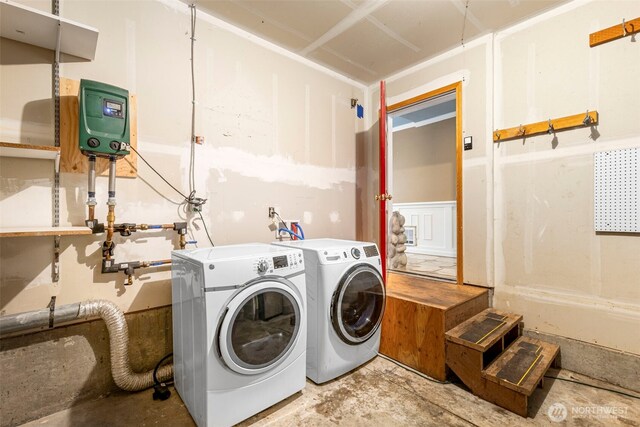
(286, 230)
(151, 227)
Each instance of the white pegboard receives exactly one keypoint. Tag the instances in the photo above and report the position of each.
(616, 190)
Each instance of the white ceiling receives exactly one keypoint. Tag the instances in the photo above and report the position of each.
(368, 40)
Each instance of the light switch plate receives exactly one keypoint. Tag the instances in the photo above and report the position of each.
(468, 143)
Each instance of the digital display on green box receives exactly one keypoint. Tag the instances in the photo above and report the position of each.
(103, 119)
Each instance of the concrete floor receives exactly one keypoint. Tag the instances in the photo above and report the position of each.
(380, 393)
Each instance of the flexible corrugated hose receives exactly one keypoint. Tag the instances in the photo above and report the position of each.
(116, 323)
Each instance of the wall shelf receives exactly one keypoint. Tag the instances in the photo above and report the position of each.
(43, 231)
(28, 151)
(38, 28)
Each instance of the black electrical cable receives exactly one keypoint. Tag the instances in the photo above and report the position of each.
(192, 175)
(161, 390)
(155, 370)
(158, 173)
(205, 228)
(190, 199)
(280, 219)
(593, 386)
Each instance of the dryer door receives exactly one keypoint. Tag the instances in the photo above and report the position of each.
(260, 327)
(358, 304)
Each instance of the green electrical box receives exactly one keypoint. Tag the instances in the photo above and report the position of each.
(104, 120)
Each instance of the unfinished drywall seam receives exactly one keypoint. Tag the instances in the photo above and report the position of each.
(274, 113)
(568, 152)
(355, 16)
(131, 55)
(489, 165)
(307, 123)
(498, 197)
(273, 169)
(461, 75)
(430, 62)
(532, 113)
(573, 299)
(530, 22)
(333, 130)
(181, 7)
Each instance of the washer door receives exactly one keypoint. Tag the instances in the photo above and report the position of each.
(358, 304)
(260, 326)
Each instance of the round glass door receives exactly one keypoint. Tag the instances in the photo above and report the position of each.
(260, 327)
(358, 304)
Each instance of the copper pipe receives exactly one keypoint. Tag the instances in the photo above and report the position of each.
(111, 219)
(92, 212)
(111, 202)
(183, 241)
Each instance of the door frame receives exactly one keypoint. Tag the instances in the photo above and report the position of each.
(457, 88)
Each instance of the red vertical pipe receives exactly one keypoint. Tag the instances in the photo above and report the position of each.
(383, 178)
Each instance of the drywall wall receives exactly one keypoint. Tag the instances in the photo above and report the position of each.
(528, 204)
(424, 163)
(550, 264)
(279, 132)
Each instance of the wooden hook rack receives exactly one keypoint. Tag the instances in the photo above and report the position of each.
(624, 29)
(550, 126)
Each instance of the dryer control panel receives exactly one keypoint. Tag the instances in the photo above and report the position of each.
(345, 254)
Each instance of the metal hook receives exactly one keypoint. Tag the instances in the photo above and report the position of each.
(551, 129)
(521, 130)
(624, 29)
(497, 134)
(587, 119)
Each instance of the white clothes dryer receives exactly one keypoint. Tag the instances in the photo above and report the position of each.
(346, 300)
(239, 329)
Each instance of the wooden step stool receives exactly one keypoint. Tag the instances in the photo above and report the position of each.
(489, 355)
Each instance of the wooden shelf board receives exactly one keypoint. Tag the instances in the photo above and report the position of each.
(8, 149)
(43, 231)
(38, 28)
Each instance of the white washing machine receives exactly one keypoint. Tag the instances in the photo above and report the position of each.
(239, 329)
(346, 299)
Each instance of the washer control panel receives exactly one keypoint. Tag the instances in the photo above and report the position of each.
(284, 264)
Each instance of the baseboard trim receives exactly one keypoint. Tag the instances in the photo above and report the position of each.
(595, 361)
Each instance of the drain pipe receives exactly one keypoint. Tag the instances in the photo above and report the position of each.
(123, 375)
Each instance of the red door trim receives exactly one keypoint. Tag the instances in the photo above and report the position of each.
(383, 178)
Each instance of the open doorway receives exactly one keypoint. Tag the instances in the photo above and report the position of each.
(424, 179)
